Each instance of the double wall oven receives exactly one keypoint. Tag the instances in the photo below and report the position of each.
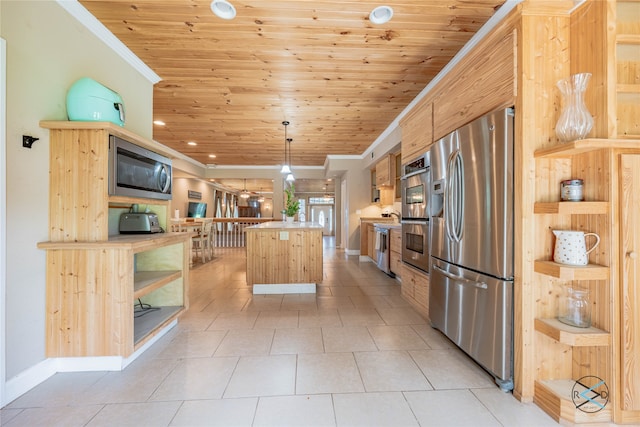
(415, 183)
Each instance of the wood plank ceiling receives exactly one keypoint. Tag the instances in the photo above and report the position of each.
(339, 79)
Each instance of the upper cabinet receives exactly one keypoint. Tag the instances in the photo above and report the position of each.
(383, 172)
(417, 131)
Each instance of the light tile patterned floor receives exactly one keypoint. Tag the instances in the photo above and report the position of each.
(354, 354)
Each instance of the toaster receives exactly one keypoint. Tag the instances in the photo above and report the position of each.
(139, 223)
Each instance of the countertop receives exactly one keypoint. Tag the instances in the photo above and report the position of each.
(390, 226)
(277, 225)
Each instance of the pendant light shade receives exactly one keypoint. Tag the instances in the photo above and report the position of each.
(244, 194)
(285, 166)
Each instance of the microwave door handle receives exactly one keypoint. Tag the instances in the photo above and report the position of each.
(481, 285)
(167, 172)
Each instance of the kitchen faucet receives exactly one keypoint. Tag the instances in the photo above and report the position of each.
(396, 214)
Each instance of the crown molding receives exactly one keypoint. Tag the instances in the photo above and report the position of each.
(82, 15)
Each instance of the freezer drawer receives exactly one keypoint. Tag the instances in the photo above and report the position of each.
(476, 312)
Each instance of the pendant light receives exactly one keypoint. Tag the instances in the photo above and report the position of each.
(285, 166)
(244, 194)
(290, 177)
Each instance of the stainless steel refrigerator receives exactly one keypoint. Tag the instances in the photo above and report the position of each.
(471, 284)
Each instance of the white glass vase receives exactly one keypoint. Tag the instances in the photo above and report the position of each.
(575, 121)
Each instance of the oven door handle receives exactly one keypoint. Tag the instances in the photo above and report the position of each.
(415, 221)
(480, 285)
(414, 173)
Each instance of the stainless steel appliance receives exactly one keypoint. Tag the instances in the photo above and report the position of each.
(415, 244)
(414, 184)
(416, 201)
(383, 256)
(471, 283)
(135, 171)
(139, 223)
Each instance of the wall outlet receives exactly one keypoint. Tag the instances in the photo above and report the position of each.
(284, 235)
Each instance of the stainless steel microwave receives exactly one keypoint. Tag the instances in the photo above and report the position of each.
(135, 171)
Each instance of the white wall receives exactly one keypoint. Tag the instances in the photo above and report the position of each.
(47, 50)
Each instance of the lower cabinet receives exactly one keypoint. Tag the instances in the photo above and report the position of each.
(415, 289)
(109, 298)
(395, 253)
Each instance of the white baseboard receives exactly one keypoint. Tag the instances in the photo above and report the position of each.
(364, 258)
(284, 288)
(29, 378)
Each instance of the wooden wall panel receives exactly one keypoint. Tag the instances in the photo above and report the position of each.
(78, 202)
(542, 59)
(271, 260)
(90, 315)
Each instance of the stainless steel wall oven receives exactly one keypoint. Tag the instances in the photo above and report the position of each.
(415, 184)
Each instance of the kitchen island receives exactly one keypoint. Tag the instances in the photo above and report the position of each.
(284, 257)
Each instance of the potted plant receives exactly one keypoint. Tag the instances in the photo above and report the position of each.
(291, 205)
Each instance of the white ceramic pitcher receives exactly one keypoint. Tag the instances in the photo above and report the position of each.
(571, 247)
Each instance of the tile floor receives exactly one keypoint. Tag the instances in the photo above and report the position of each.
(355, 354)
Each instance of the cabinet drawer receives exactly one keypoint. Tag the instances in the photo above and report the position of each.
(415, 288)
(396, 241)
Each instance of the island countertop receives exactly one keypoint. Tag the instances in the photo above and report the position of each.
(280, 225)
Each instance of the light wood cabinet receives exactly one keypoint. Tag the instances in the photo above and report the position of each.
(382, 195)
(628, 342)
(383, 172)
(371, 250)
(95, 280)
(415, 289)
(417, 131)
(395, 252)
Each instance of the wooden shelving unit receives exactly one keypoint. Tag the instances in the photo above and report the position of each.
(94, 279)
(554, 396)
(571, 208)
(568, 272)
(570, 335)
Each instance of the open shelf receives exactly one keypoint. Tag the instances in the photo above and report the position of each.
(554, 396)
(152, 322)
(572, 208)
(570, 335)
(570, 272)
(145, 282)
(572, 148)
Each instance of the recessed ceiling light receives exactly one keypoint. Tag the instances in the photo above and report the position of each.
(213, 156)
(381, 15)
(159, 122)
(223, 9)
(192, 143)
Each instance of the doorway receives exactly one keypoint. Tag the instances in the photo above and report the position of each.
(323, 215)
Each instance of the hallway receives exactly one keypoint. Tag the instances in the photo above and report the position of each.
(355, 354)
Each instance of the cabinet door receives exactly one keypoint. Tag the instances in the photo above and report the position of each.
(630, 294)
(372, 241)
(417, 131)
(383, 172)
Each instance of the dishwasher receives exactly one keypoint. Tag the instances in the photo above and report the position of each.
(382, 249)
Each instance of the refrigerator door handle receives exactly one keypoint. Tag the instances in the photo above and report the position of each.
(480, 285)
(454, 197)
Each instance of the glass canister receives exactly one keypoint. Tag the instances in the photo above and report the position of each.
(575, 309)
